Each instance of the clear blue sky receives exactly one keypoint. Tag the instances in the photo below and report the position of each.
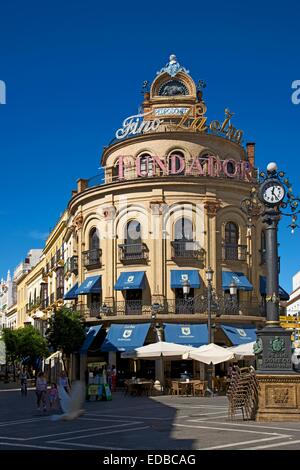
(74, 70)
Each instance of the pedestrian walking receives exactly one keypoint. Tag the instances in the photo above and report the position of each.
(53, 396)
(63, 382)
(41, 391)
(24, 376)
(109, 377)
(113, 378)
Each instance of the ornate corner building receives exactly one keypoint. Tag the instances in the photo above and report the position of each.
(136, 242)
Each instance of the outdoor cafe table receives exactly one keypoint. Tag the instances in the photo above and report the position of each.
(187, 386)
(137, 387)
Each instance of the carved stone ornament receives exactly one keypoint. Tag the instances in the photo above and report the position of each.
(78, 222)
(109, 212)
(158, 207)
(212, 207)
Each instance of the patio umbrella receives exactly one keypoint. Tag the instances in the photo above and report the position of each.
(157, 350)
(209, 354)
(243, 350)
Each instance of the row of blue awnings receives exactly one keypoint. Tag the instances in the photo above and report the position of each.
(137, 280)
(123, 337)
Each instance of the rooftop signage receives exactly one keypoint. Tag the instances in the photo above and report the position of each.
(150, 166)
(191, 119)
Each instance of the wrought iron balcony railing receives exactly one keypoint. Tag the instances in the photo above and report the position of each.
(32, 305)
(232, 252)
(92, 258)
(133, 252)
(222, 306)
(71, 265)
(183, 249)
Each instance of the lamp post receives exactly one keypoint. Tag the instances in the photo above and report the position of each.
(209, 276)
(186, 288)
(159, 364)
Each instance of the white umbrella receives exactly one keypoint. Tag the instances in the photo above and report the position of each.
(157, 350)
(57, 354)
(209, 354)
(243, 350)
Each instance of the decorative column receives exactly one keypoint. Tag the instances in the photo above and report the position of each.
(211, 206)
(279, 391)
(158, 256)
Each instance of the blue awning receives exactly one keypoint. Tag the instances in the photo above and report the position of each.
(263, 289)
(91, 285)
(131, 280)
(178, 276)
(190, 335)
(91, 335)
(239, 279)
(239, 334)
(125, 337)
(71, 294)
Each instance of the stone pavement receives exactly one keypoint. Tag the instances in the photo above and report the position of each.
(126, 423)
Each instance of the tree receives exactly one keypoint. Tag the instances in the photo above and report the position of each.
(66, 331)
(24, 343)
(32, 345)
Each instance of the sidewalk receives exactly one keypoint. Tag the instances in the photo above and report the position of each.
(14, 386)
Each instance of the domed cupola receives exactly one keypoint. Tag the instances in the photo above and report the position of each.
(171, 93)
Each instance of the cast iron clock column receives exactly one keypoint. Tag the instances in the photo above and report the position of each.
(279, 385)
(274, 340)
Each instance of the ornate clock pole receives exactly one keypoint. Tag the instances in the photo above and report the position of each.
(279, 384)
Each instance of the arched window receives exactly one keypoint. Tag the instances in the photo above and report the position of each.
(231, 241)
(177, 162)
(263, 247)
(183, 229)
(133, 233)
(94, 243)
(115, 171)
(146, 164)
(133, 248)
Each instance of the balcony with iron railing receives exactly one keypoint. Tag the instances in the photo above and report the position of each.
(232, 252)
(197, 307)
(92, 258)
(32, 305)
(132, 253)
(71, 265)
(184, 249)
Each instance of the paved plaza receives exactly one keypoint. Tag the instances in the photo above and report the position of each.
(132, 423)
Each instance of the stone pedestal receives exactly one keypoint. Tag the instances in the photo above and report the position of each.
(279, 397)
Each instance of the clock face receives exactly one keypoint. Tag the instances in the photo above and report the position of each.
(273, 193)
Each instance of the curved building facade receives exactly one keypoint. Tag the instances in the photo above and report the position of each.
(138, 244)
